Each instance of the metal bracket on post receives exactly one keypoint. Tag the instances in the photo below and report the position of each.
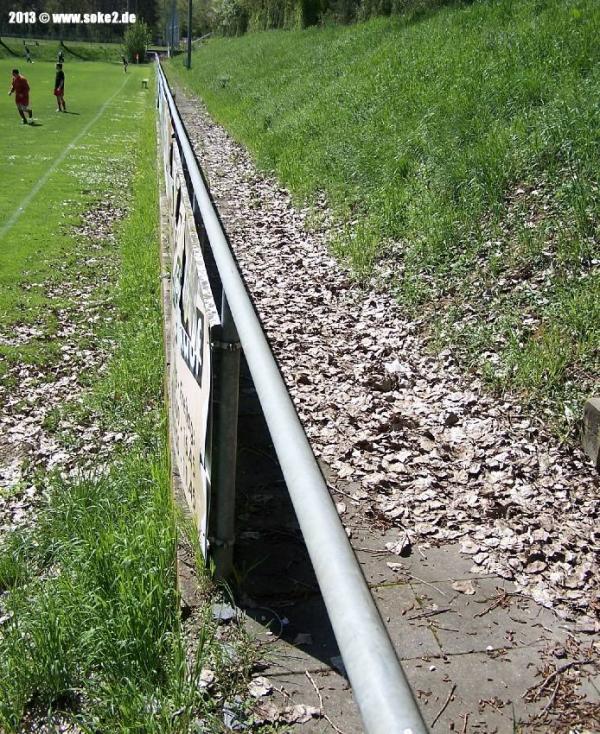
(227, 346)
(222, 525)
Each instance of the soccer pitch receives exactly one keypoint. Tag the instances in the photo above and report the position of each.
(56, 169)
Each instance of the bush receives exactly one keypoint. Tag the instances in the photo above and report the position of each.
(136, 40)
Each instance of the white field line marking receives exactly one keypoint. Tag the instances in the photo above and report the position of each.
(57, 161)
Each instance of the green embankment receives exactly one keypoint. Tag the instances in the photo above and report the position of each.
(462, 149)
(48, 50)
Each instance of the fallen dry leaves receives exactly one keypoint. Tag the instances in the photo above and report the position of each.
(35, 437)
(418, 442)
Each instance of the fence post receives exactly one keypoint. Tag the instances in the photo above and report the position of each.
(225, 420)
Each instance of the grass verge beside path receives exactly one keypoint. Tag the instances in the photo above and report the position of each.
(461, 153)
(93, 603)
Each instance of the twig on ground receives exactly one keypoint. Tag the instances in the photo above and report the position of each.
(466, 718)
(321, 707)
(558, 671)
(567, 630)
(550, 700)
(283, 692)
(445, 629)
(430, 613)
(427, 583)
(490, 702)
(446, 702)
(498, 601)
(341, 491)
(374, 551)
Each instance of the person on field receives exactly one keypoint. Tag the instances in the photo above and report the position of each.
(61, 57)
(28, 55)
(20, 86)
(59, 89)
(125, 63)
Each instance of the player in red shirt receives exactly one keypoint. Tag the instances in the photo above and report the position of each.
(20, 86)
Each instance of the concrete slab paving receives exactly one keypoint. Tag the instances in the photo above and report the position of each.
(336, 702)
(487, 648)
(399, 609)
(590, 689)
(489, 618)
(487, 689)
(424, 564)
(304, 642)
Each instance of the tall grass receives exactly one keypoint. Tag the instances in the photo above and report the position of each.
(422, 131)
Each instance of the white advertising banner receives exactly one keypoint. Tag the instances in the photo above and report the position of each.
(193, 316)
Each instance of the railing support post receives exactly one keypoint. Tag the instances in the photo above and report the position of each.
(225, 420)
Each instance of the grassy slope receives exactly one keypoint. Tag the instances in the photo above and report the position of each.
(48, 51)
(463, 150)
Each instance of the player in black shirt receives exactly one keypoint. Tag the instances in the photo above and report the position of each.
(59, 89)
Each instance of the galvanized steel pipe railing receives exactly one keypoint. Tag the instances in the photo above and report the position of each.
(384, 697)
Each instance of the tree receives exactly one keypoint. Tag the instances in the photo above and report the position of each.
(136, 40)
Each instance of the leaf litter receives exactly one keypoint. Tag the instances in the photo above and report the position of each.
(39, 435)
(428, 448)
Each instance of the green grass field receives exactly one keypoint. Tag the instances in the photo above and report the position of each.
(55, 169)
(462, 150)
(91, 632)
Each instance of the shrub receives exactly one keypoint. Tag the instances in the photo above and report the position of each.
(136, 40)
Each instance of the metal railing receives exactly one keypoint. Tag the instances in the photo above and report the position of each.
(384, 697)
